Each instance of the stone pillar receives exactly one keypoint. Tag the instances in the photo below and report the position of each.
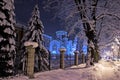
(76, 58)
(62, 52)
(30, 61)
(83, 58)
(30, 58)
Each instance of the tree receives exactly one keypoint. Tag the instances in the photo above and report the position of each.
(98, 18)
(89, 25)
(108, 19)
(7, 37)
(34, 34)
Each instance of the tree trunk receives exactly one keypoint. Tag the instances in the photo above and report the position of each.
(90, 29)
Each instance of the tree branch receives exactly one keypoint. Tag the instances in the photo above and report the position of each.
(106, 14)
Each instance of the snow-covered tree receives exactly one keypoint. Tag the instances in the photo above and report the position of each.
(77, 17)
(108, 19)
(7, 37)
(96, 17)
(34, 34)
(89, 24)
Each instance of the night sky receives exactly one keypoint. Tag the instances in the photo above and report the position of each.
(23, 10)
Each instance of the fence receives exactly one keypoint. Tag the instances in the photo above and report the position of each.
(61, 60)
(68, 60)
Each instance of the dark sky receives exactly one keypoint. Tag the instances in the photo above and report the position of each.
(23, 9)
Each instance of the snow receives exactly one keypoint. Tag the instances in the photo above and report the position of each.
(12, 48)
(117, 41)
(28, 43)
(104, 70)
(8, 30)
(2, 15)
(76, 51)
(62, 49)
(8, 5)
(1, 38)
(11, 41)
(6, 48)
(4, 22)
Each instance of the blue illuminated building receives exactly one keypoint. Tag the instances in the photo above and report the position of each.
(61, 41)
(84, 48)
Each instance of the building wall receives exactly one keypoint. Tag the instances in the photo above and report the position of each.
(19, 34)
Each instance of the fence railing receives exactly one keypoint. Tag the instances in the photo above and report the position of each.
(56, 61)
(63, 60)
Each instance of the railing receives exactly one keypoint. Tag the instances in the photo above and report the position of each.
(63, 60)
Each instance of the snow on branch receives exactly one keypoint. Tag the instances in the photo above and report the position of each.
(106, 14)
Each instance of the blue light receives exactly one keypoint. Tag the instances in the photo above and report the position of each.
(62, 41)
(54, 46)
(84, 48)
(54, 52)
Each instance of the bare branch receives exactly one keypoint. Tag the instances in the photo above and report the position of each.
(106, 14)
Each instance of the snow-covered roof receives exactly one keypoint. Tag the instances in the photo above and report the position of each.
(19, 25)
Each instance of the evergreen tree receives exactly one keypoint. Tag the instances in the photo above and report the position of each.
(7, 37)
(34, 33)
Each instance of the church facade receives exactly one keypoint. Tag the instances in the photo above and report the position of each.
(61, 41)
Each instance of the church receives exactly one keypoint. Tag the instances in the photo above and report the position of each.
(61, 41)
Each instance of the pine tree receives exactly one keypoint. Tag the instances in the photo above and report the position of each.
(34, 33)
(7, 37)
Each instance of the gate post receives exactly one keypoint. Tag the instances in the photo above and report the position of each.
(76, 58)
(83, 58)
(30, 58)
(62, 52)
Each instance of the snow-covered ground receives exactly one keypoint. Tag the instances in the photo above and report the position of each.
(104, 70)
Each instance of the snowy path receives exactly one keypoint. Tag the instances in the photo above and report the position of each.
(101, 71)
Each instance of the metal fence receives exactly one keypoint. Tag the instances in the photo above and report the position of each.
(69, 60)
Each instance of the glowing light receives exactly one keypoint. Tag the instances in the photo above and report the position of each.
(54, 52)
(84, 48)
(62, 41)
